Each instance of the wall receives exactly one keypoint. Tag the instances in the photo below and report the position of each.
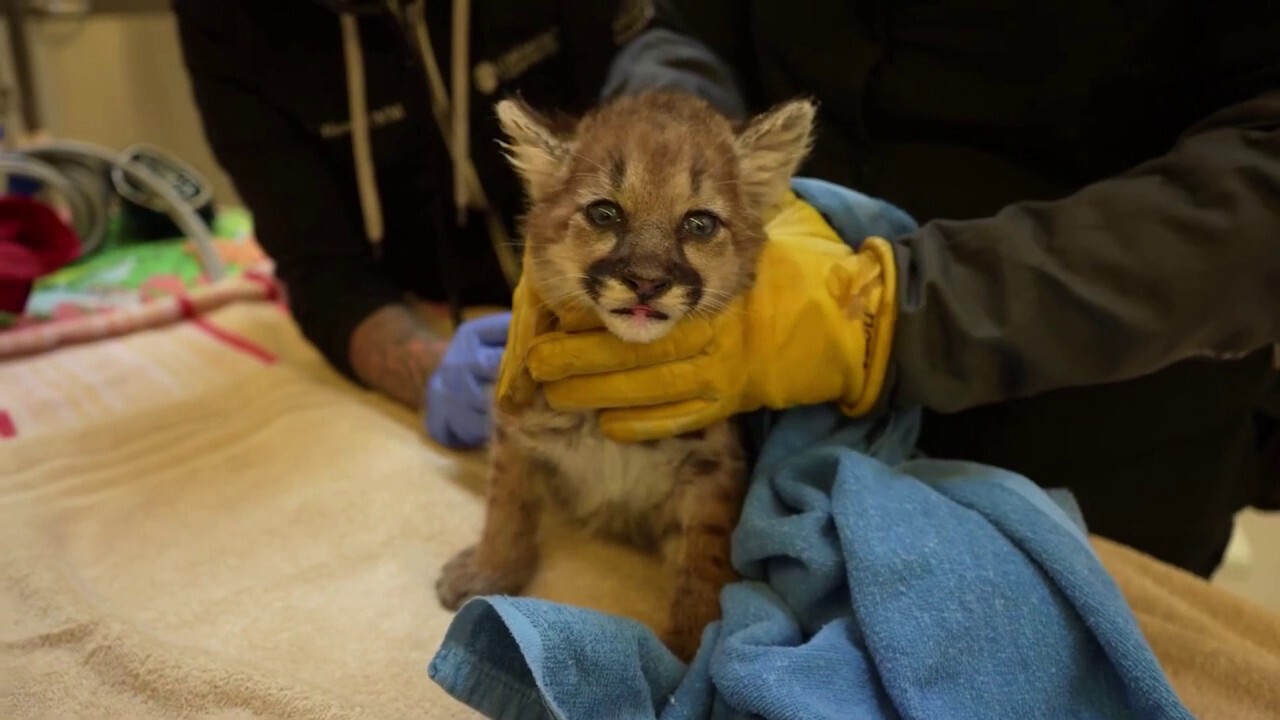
(117, 79)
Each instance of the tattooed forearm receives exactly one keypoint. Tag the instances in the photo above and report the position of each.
(394, 353)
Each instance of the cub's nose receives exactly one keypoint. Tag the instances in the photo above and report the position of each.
(645, 288)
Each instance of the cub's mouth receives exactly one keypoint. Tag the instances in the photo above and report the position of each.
(641, 311)
(640, 322)
(640, 308)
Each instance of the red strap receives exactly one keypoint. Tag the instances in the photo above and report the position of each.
(236, 342)
(187, 307)
(268, 283)
(7, 428)
(230, 339)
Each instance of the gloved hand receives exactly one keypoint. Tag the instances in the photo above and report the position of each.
(532, 318)
(459, 394)
(816, 327)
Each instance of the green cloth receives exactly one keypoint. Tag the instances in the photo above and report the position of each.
(125, 272)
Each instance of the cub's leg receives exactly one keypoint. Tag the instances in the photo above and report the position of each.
(704, 508)
(507, 555)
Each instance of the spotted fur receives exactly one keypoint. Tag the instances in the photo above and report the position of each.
(659, 159)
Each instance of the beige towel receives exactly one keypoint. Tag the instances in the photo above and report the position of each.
(192, 532)
(189, 530)
(1221, 652)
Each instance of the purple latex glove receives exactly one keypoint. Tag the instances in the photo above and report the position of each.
(460, 393)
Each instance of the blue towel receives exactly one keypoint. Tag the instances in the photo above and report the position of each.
(876, 584)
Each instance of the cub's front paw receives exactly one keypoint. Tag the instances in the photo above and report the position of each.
(463, 578)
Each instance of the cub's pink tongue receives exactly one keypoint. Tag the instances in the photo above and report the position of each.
(641, 311)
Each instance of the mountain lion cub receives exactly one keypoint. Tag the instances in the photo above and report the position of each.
(646, 211)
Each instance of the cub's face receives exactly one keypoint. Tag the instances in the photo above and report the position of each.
(649, 209)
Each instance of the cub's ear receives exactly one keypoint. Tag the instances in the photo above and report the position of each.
(538, 153)
(770, 149)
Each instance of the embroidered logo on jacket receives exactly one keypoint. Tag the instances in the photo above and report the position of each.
(488, 75)
(378, 117)
(633, 16)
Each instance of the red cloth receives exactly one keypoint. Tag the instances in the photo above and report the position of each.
(34, 242)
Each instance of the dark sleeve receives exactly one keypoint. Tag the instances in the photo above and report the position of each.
(303, 216)
(666, 56)
(1178, 258)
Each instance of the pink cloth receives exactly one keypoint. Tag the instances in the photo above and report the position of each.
(34, 242)
(42, 337)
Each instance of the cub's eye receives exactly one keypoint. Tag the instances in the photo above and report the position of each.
(603, 213)
(701, 224)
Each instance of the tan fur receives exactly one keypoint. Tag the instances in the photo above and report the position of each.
(659, 157)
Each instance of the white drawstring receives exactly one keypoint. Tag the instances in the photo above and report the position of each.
(464, 173)
(366, 178)
(466, 181)
(461, 86)
(468, 191)
(361, 145)
(435, 82)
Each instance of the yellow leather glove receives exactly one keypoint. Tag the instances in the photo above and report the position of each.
(515, 387)
(816, 327)
(531, 319)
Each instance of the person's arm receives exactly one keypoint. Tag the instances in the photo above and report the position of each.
(393, 352)
(1178, 258)
(307, 220)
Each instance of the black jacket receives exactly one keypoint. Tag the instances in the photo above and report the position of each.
(1094, 292)
(270, 82)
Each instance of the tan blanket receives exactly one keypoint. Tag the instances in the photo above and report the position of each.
(209, 523)
(1221, 652)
